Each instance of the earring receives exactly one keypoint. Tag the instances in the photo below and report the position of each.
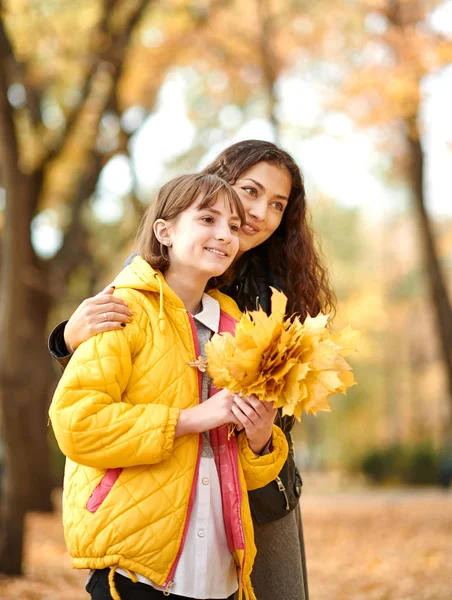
(167, 242)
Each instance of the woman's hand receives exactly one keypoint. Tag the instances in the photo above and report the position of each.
(257, 419)
(103, 312)
(214, 412)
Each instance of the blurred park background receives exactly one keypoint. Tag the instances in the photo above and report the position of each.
(102, 101)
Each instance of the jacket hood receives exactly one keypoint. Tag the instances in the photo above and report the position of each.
(139, 275)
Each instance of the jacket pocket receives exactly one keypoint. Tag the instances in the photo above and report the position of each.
(102, 489)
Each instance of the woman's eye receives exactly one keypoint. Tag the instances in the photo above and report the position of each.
(250, 190)
(278, 205)
(207, 219)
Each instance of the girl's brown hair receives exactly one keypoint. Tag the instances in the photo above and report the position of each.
(173, 198)
(291, 252)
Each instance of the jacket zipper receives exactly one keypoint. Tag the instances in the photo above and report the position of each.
(242, 530)
(282, 488)
(169, 583)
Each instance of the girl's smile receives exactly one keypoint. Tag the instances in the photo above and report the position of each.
(218, 252)
(204, 241)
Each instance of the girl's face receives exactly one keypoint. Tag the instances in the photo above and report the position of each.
(204, 242)
(264, 190)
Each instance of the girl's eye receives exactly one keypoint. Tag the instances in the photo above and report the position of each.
(250, 190)
(235, 228)
(207, 219)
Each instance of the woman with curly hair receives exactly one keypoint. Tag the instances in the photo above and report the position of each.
(277, 249)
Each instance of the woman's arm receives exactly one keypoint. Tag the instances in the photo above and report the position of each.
(103, 312)
(57, 345)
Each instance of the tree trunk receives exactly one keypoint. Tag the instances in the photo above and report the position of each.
(21, 372)
(25, 379)
(16, 370)
(41, 385)
(438, 289)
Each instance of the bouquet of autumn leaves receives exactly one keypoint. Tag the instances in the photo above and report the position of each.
(296, 366)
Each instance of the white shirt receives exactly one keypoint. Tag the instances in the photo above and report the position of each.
(206, 568)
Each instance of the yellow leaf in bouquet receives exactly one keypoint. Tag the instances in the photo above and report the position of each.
(279, 304)
(245, 369)
(317, 396)
(294, 390)
(219, 359)
(330, 380)
(314, 330)
(263, 327)
(294, 365)
(320, 403)
(346, 339)
(334, 362)
(320, 351)
(316, 324)
(347, 379)
(296, 412)
(273, 389)
(280, 371)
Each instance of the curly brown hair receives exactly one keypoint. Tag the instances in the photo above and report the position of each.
(292, 253)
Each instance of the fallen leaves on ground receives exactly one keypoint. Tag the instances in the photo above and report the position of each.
(383, 545)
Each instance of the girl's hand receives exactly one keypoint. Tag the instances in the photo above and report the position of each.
(214, 412)
(257, 419)
(103, 312)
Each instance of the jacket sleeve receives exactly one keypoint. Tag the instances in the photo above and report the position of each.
(57, 345)
(92, 423)
(260, 470)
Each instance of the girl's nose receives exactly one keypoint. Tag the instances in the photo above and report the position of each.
(223, 233)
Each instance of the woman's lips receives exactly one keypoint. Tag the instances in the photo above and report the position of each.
(250, 229)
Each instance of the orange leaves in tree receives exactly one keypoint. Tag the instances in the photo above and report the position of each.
(294, 365)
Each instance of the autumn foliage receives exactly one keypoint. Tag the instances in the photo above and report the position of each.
(295, 365)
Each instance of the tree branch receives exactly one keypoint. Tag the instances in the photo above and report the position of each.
(113, 56)
(17, 71)
(111, 59)
(9, 151)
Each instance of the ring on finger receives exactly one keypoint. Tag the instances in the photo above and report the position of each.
(105, 317)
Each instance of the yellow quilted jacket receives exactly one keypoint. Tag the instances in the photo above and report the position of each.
(129, 484)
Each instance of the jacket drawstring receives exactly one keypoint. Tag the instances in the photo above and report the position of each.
(111, 582)
(162, 318)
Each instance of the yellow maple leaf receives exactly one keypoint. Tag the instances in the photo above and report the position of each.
(297, 366)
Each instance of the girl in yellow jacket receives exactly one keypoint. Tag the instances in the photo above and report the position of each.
(155, 494)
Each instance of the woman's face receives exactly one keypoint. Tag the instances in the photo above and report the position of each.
(264, 190)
